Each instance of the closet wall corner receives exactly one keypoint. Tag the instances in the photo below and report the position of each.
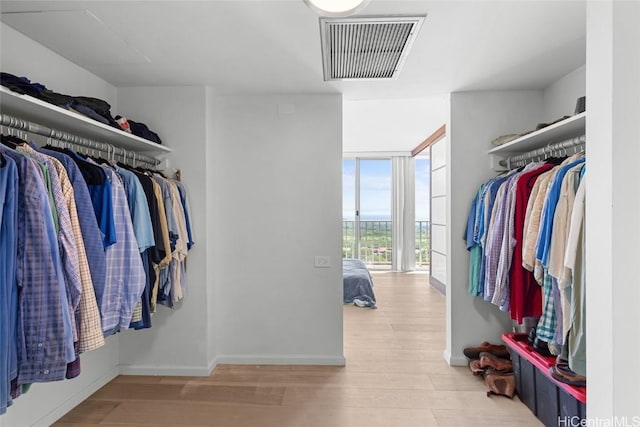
(476, 118)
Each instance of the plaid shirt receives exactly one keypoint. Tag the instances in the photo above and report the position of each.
(125, 272)
(547, 323)
(45, 335)
(66, 237)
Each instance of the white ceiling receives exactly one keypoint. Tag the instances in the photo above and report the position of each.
(274, 46)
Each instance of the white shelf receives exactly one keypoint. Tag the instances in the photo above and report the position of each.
(35, 110)
(568, 128)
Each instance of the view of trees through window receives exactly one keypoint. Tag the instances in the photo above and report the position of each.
(375, 211)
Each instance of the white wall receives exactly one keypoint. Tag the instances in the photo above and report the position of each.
(46, 402)
(177, 344)
(559, 98)
(612, 210)
(26, 58)
(391, 125)
(476, 119)
(277, 175)
(211, 229)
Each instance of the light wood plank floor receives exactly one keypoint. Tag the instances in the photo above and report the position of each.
(395, 376)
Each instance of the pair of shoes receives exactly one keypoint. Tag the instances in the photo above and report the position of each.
(474, 352)
(564, 374)
(489, 360)
(500, 383)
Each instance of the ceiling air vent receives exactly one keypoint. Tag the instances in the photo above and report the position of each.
(366, 47)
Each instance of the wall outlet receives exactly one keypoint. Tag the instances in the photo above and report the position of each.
(322, 261)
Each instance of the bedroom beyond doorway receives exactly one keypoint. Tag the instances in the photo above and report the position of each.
(385, 215)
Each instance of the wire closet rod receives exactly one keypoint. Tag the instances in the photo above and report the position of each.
(66, 137)
(543, 153)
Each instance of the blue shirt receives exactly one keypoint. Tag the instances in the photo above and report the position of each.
(125, 272)
(138, 208)
(185, 207)
(100, 192)
(45, 340)
(543, 244)
(8, 284)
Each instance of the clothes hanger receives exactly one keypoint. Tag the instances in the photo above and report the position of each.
(12, 141)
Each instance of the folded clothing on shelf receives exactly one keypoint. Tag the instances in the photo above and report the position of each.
(21, 85)
(141, 130)
(93, 108)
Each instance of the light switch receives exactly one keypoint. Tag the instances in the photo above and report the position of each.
(323, 261)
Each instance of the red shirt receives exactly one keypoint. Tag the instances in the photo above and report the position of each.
(526, 296)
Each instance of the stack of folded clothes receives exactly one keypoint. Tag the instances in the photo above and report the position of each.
(493, 362)
(93, 108)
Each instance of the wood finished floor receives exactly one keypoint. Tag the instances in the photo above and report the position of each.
(395, 377)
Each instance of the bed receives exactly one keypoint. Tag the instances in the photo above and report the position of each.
(357, 283)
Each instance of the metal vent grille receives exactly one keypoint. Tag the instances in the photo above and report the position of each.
(366, 48)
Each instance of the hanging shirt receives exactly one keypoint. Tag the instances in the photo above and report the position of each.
(138, 208)
(185, 206)
(533, 225)
(45, 341)
(164, 263)
(525, 296)
(66, 238)
(475, 254)
(165, 286)
(156, 252)
(100, 191)
(8, 285)
(125, 272)
(574, 260)
(180, 254)
(143, 229)
(562, 221)
(495, 238)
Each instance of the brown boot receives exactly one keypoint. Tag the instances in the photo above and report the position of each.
(475, 368)
(500, 383)
(488, 360)
(474, 352)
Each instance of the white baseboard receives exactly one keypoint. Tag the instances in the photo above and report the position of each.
(76, 399)
(454, 360)
(179, 371)
(241, 359)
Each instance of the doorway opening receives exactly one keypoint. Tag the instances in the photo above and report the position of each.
(386, 218)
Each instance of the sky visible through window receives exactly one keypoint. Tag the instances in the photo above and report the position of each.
(375, 189)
